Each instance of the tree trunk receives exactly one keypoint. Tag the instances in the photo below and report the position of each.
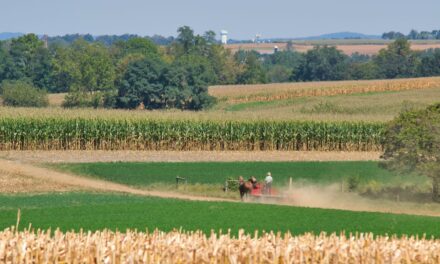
(436, 189)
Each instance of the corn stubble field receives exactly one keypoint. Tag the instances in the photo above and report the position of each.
(196, 247)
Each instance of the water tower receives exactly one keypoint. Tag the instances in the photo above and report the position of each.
(257, 38)
(224, 36)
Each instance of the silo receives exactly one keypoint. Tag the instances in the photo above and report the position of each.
(224, 36)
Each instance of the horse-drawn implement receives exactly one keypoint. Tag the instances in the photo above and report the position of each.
(260, 192)
(253, 191)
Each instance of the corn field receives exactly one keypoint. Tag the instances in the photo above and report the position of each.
(111, 134)
(196, 247)
(283, 91)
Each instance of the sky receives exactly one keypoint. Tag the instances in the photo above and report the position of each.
(241, 18)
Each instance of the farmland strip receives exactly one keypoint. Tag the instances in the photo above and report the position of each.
(109, 134)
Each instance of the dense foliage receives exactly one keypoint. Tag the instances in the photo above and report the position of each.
(130, 72)
(20, 93)
(412, 143)
(413, 34)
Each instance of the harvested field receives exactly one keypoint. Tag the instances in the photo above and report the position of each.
(197, 247)
(185, 156)
(369, 49)
(12, 182)
(283, 91)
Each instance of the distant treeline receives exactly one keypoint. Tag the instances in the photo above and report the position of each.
(414, 34)
(107, 40)
(129, 71)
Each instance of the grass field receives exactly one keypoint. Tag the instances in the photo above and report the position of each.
(144, 174)
(97, 211)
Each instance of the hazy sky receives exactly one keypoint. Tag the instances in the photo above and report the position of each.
(242, 18)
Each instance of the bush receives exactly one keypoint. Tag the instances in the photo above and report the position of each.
(95, 100)
(20, 93)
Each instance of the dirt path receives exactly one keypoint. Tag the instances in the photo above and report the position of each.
(47, 175)
(183, 156)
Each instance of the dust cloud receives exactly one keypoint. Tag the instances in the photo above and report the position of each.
(332, 197)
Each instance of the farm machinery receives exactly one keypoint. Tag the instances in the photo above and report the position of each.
(254, 192)
(259, 192)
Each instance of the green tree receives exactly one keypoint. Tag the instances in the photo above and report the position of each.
(412, 144)
(186, 38)
(42, 74)
(223, 64)
(282, 65)
(88, 72)
(183, 84)
(141, 46)
(30, 60)
(397, 60)
(322, 64)
(279, 73)
(209, 37)
(430, 63)
(252, 71)
(363, 71)
(23, 51)
(142, 83)
(66, 71)
(187, 83)
(23, 94)
(4, 57)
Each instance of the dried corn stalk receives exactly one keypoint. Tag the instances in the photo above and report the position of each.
(195, 247)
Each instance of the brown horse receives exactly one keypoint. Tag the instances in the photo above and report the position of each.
(246, 187)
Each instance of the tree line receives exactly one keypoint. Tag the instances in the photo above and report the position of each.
(135, 72)
(413, 34)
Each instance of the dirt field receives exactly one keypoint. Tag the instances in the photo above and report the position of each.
(369, 49)
(183, 156)
(13, 181)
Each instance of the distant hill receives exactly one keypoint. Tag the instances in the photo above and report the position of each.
(9, 35)
(342, 35)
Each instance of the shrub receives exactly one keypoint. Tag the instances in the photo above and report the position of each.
(95, 100)
(21, 93)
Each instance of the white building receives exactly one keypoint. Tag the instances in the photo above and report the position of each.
(224, 36)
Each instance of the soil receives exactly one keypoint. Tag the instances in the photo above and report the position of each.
(183, 156)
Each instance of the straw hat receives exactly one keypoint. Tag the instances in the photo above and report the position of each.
(268, 174)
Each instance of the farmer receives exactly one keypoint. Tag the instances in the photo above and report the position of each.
(268, 183)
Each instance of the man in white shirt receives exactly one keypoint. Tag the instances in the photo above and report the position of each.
(268, 183)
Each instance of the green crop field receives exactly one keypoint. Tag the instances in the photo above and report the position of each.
(148, 134)
(144, 174)
(97, 211)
